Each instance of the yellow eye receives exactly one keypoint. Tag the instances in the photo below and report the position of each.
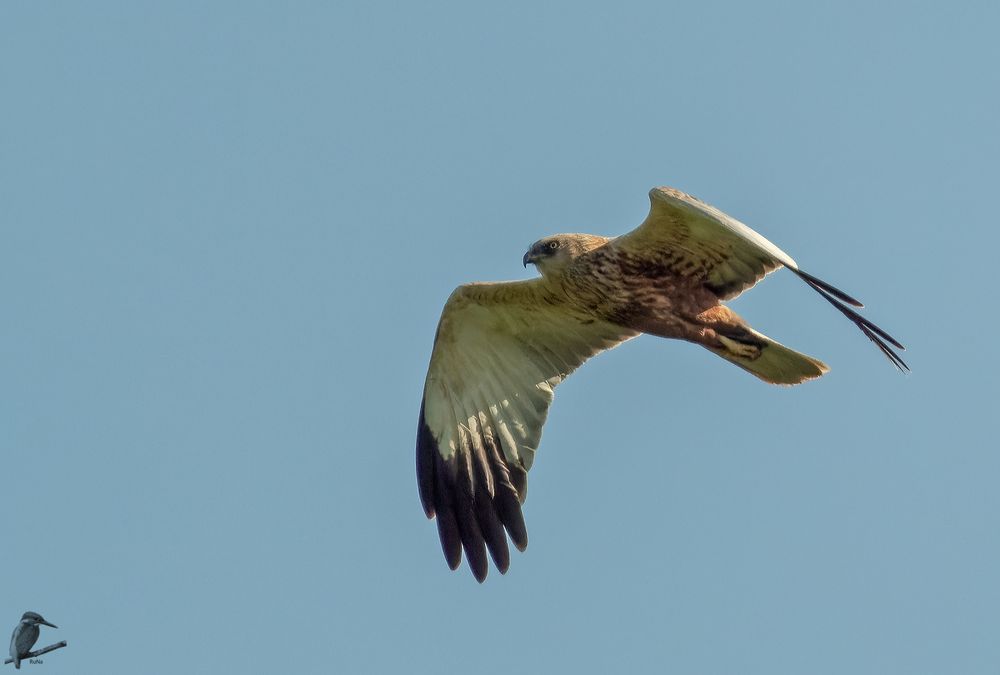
(553, 245)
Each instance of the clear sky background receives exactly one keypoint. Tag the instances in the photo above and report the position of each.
(228, 230)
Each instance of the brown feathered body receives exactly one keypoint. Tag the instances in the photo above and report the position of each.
(661, 293)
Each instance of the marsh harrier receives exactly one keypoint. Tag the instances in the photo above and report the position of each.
(501, 349)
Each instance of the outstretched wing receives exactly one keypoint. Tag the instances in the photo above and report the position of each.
(500, 350)
(691, 238)
(696, 240)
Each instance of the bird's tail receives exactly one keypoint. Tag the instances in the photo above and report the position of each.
(771, 361)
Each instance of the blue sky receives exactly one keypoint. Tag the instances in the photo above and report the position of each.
(228, 230)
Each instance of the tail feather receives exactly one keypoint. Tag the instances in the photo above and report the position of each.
(773, 362)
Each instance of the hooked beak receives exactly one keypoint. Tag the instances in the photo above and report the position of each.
(43, 621)
(528, 258)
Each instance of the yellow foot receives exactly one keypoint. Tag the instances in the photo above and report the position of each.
(740, 349)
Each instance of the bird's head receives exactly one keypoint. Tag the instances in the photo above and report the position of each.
(552, 254)
(34, 618)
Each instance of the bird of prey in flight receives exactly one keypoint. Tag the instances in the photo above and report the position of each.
(501, 349)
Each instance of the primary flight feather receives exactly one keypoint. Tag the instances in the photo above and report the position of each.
(502, 348)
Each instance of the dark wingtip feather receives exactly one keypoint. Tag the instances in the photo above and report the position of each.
(519, 479)
(475, 497)
(447, 520)
(891, 355)
(426, 451)
(509, 510)
(506, 502)
(490, 525)
(451, 540)
(881, 339)
(492, 529)
(472, 542)
(829, 288)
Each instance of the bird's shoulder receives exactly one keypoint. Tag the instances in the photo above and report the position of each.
(498, 308)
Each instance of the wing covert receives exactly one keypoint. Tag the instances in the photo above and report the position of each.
(696, 239)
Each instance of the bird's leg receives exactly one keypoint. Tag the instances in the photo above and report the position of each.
(718, 328)
(722, 328)
(739, 348)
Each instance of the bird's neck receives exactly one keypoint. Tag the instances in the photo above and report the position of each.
(551, 270)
